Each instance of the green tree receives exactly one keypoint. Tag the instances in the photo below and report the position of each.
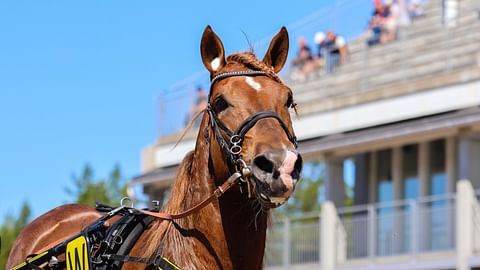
(10, 229)
(307, 195)
(87, 190)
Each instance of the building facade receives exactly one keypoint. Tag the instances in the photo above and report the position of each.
(398, 129)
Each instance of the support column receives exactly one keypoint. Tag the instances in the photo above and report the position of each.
(334, 185)
(451, 174)
(464, 218)
(361, 189)
(397, 175)
(329, 246)
(451, 160)
(372, 183)
(398, 216)
(424, 168)
(424, 227)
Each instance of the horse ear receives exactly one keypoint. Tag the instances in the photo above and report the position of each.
(277, 52)
(211, 49)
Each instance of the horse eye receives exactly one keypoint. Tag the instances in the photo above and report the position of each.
(290, 103)
(220, 104)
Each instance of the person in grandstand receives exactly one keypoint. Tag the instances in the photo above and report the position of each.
(303, 62)
(332, 49)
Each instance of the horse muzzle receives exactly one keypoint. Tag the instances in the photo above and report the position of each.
(275, 174)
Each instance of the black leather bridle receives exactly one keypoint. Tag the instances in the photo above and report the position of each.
(231, 143)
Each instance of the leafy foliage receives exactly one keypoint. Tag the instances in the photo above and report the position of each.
(308, 192)
(10, 229)
(87, 191)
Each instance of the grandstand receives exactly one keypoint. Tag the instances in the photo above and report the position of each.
(399, 124)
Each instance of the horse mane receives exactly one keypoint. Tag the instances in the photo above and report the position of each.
(186, 189)
(184, 193)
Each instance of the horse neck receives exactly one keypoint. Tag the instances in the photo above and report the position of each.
(244, 222)
(206, 243)
(234, 220)
(245, 230)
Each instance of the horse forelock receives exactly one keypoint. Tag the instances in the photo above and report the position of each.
(250, 61)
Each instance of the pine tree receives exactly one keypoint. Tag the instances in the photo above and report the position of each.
(87, 191)
(10, 229)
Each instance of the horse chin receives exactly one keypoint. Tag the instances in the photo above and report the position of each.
(270, 203)
(265, 200)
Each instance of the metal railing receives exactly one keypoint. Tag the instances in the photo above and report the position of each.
(365, 233)
(476, 222)
(293, 241)
(400, 227)
(406, 227)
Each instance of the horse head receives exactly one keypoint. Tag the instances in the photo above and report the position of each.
(248, 119)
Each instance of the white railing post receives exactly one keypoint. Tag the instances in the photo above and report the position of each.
(372, 231)
(341, 238)
(414, 226)
(464, 217)
(320, 237)
(328, 245)
(286, 242)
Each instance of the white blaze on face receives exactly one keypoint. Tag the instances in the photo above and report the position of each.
(254, 84)
(286, 170)
(215, 63)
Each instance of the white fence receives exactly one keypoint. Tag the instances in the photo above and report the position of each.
(427, 225)
(400, 227)
(294, 241)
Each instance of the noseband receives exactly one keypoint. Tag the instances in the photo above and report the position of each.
(231, 144)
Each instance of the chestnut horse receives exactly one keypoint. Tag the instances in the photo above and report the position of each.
(248, 97)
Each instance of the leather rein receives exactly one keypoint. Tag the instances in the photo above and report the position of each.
(230, 143)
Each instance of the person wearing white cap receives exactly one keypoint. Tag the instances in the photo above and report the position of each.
(332, 48)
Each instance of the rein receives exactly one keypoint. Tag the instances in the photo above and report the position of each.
(232, 180)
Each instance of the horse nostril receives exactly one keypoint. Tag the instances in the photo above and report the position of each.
(263, 163)
(297, 168)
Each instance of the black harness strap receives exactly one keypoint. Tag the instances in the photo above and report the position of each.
(158, 262)
(32, 266)
(120, 238)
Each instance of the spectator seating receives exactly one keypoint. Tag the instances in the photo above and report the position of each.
(426, 55)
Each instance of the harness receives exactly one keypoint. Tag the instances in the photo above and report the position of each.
(100, 248)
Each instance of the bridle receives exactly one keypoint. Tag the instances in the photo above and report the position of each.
(231, 147)
(231, 141)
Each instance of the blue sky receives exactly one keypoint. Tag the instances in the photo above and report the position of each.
(80, 80)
